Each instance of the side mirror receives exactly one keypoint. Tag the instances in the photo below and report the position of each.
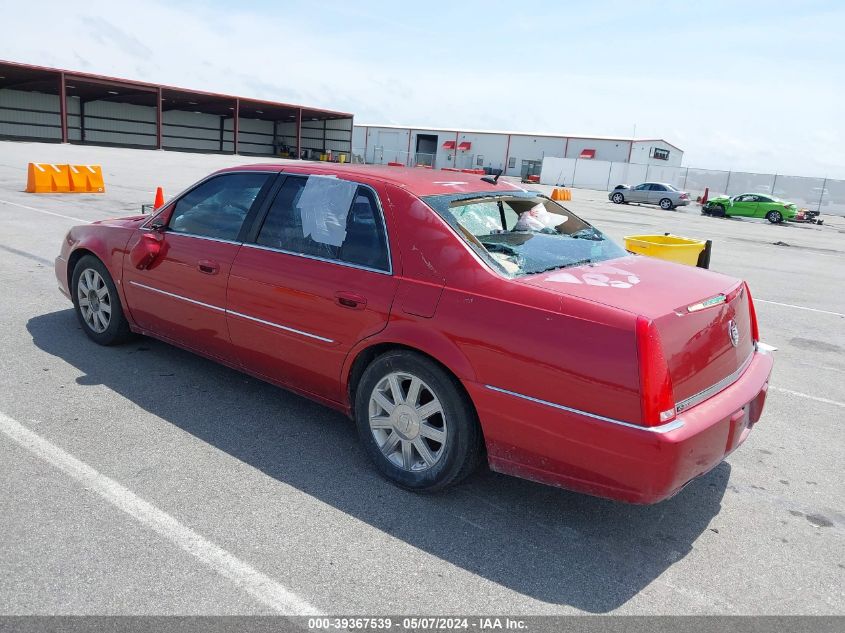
(158, 226)
(145, 251)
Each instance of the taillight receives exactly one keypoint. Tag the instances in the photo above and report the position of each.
(755, 332)
(683, 195)
(656, 392)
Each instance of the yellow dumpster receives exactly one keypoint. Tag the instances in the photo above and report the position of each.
(673, 248)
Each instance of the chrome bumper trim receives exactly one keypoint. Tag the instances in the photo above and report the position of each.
(663, 428)
(712, 390)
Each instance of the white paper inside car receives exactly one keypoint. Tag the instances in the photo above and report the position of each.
(538, 218)
(324, 205)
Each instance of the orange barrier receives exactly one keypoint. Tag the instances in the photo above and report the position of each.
(395, 165)
(561, 195)
(86, 179)
(449, 169)
(47, 178)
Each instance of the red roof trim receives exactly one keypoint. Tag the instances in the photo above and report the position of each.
(145, 84)
(588, 153)
(464, 146)
(449, 145)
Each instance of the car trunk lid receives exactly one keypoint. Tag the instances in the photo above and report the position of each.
(702, 318)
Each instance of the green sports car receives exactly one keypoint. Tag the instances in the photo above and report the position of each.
(751, 205)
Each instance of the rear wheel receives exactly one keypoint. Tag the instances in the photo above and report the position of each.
(416, 423)
(774, 217)
(96, 302)
(666, 204)
(618, 198)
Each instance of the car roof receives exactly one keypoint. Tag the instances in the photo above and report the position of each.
(417, 180)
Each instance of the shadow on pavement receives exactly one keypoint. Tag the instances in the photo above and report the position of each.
(549, 544)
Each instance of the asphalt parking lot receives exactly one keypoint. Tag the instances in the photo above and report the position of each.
(144, 480)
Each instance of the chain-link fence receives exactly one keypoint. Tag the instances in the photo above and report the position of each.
(817, 194)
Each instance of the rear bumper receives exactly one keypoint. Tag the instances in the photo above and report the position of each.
(682, 202)
(60, 267)
(608, 458)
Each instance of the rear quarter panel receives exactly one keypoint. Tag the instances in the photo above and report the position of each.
(494, 331)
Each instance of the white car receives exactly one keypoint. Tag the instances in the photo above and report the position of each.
(659, 193)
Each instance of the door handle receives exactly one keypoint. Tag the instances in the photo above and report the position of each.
(350, 300)
(208, 267)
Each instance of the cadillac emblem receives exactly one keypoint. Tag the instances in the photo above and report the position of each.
(733, 332)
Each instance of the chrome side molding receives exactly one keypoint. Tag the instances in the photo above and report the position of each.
(233, 313)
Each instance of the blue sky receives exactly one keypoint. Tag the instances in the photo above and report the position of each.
(754, 86)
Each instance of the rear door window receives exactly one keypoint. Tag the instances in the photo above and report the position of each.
(327, 218)
(217, 207)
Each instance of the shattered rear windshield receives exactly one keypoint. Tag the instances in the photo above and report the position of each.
(521, 233)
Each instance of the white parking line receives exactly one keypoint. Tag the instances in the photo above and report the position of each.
(58, 215)
(263, 588)
(789, 305)
(808, 396)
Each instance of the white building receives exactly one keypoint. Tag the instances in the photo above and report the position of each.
(518, 153)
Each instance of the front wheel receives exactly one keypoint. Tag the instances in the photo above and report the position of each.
(774, 217)
(666, 204)
(96, 302)
(618, 198)
(416, 423)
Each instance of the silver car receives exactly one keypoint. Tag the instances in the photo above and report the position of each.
(659, 193)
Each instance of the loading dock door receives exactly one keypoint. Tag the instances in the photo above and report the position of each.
(426, 149)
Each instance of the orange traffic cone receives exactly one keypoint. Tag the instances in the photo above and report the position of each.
(704, 197)
(159, 201)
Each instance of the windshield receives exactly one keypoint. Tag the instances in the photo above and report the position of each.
(523, 233)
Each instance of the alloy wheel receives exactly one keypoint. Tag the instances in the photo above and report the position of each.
(94, 300)
(407, 422)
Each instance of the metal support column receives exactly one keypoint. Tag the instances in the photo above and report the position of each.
(298, 133)
(235, 126)
(159, 118)
(63, 106)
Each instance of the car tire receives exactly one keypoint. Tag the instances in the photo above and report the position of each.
(775, 217)
(97, 304)
(424, 438)
(719, 210)
(617, 198)
(666, 204)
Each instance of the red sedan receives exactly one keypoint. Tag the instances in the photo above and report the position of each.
(453, 317)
